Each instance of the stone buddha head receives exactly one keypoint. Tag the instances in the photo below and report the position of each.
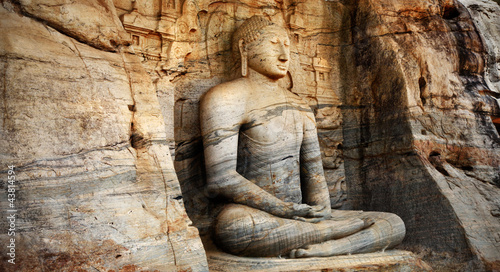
(263, 47)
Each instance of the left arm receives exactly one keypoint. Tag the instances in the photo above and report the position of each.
(314, 187)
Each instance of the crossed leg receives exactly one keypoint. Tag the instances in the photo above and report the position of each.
(387, 231)
(245, 231)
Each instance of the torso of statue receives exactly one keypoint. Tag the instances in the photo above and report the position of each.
(269, 145)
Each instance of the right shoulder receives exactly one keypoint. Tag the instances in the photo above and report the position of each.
(232, 93)
(224, 106)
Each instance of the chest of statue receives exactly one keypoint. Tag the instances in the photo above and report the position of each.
(275, 126)
(269, 150)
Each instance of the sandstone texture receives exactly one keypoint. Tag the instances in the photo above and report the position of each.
(433, 158)
(95, 183)
(390, 261)
(92, 22)
(99, 96)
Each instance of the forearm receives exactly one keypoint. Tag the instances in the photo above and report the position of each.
(321, 196)
(242, 191)
(315, 187)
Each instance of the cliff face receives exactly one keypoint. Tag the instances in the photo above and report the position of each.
(418, 133)
(95, 93)
(82, 126)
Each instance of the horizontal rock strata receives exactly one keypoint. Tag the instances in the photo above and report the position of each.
(405, 94)
(419, 138)
(95, 185)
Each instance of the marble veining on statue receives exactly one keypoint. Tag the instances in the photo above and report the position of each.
(262, 155)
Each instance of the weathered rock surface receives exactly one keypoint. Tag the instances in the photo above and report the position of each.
(413, 79)
(404, 94)
(96, 188)
(92, 22)
(418, 135)
(486, 15)
(390, 261)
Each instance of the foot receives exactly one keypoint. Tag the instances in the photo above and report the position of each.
(368, 222)
(298, 253)
(326, 249)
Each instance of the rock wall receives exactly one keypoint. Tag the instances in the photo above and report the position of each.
(95, 184)
(419, 139)
(405, 95)
(485, 15)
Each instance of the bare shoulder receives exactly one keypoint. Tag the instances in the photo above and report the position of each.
(224, 105)
(228, 93)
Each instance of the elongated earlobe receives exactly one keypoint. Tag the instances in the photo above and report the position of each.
(244, 65)
(244, 58)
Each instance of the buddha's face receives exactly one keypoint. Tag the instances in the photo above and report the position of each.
(270, 53)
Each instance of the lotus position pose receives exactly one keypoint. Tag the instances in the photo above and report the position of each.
(262, 154)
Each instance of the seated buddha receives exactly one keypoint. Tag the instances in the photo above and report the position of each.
(262, 155)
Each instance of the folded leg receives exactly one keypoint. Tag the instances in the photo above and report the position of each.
(245, 231)
(387, 231)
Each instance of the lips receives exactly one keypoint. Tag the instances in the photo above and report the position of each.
(282, 67)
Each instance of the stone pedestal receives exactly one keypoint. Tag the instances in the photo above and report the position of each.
(390, 260)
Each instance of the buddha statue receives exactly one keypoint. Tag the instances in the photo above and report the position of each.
(262, 154)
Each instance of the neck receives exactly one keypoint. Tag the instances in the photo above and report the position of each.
(259, 79)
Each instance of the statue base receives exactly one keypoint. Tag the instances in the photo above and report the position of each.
(390, 260)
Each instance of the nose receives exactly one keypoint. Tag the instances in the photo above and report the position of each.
(284, 53)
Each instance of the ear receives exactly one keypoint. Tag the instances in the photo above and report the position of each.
(241, 46)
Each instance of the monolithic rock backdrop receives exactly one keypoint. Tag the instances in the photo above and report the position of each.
(99, 117)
